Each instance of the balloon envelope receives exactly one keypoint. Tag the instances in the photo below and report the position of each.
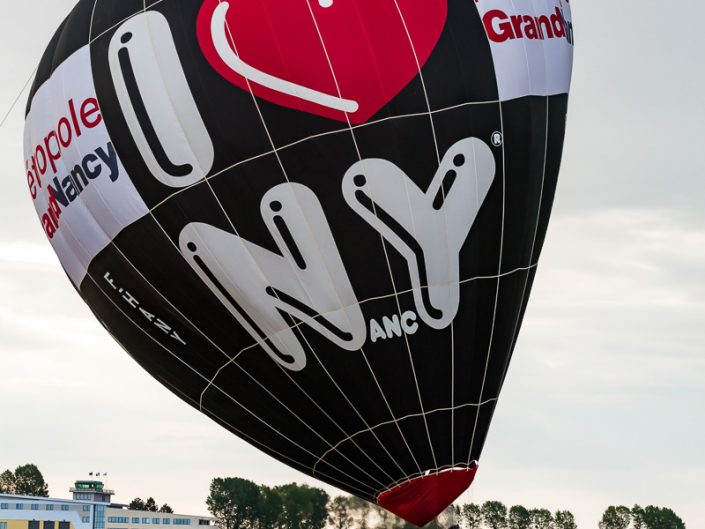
(317, 222)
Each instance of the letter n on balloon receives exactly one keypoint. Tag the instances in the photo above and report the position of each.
(268, 292)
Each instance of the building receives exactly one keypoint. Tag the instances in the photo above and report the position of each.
(90, 508)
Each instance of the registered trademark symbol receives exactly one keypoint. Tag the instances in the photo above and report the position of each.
(497, 139)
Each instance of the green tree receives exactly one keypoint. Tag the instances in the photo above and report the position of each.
(268, 512)
(494, 513)
(232, 502)
(339, 515)
(661, 518)
(360, 511)
(541, 519)
(564, 520)
(137, 505)
(447, 519)
(30, 482)
(444, 520)
(638, 517)
(519, 518)
(471, 514)
(304, 507)
(616, 517)
(7, 482)
(387, 520)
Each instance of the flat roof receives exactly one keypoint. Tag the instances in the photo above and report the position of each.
(30, 499)
(117, 507)
(153, 514)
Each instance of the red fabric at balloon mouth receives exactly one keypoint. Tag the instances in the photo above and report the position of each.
(423, 498)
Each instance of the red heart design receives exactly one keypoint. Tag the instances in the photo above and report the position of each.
(334, 58)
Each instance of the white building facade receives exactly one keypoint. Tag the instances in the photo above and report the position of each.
(90, 508)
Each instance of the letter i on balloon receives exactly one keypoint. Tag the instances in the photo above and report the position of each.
(141, 52)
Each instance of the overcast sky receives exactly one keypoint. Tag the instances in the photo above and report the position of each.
(605, 398)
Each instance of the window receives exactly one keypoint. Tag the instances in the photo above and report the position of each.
(155, 521)
(64, 525)
(34, 524)
(182, 521)
(166, 521)
(99, 522)
(145, 520)
(50, 507)
(19, 506)
(135, 520)
(3, 525)
(47, 525)
(3, 506)
(86, 508)
(64, 507)
(85, 519)
(35, 506)
(82, 496)
(204, 522)
(118, 519)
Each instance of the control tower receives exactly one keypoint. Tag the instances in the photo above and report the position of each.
(91, 490)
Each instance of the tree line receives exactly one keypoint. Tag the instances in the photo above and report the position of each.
(138, 504)
(238, 503)
(650, 517)
(495, 515)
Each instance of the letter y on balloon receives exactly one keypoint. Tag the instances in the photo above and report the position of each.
(427, 228)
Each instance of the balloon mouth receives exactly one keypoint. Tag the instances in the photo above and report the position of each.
(420, 500)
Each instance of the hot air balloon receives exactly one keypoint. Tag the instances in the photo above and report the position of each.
(315, 221)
